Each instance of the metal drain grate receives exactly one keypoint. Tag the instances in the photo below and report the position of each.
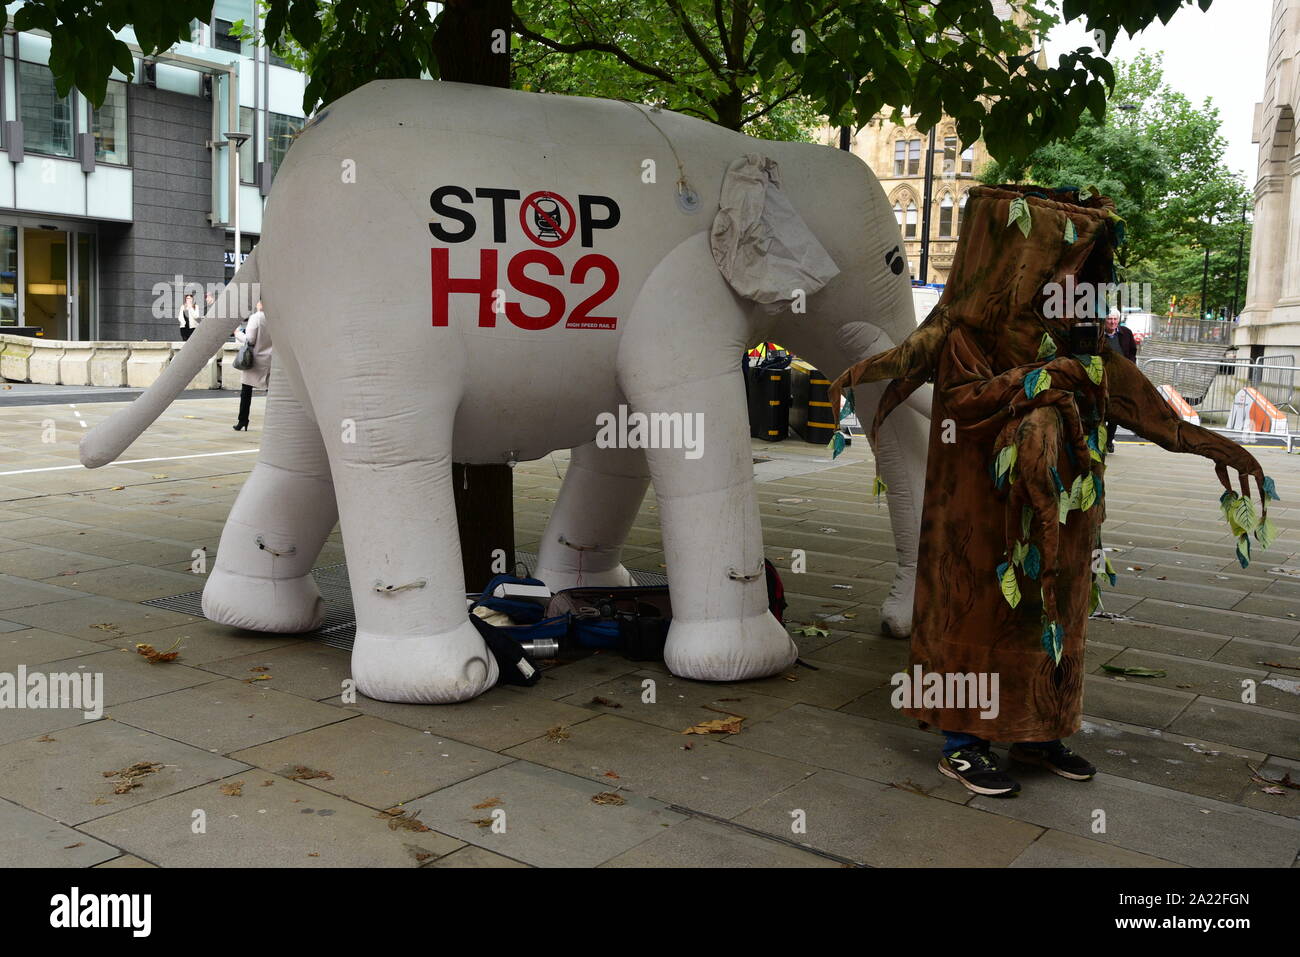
(339, 629)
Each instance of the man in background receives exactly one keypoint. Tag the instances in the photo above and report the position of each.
(1119, 338)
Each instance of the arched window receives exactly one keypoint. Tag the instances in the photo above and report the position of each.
(898, 213)
(945, 216)
(913, 157)
(909, 229)
(968, 159)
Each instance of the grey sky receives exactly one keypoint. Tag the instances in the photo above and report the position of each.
(1219, 54)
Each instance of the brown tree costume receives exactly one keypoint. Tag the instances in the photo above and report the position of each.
(1010, 556)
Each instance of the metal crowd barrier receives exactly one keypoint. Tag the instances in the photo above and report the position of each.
(1209, 386)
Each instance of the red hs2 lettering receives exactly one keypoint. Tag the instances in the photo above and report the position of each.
(549, 221)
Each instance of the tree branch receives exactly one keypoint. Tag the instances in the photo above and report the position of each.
(593, 46)
(695, 39)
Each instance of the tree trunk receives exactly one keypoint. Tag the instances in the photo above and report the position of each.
(469, 49)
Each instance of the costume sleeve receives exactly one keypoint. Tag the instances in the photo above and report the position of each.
(1136, 405)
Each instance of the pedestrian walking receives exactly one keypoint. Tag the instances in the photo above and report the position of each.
(189, 317)
(257, 336)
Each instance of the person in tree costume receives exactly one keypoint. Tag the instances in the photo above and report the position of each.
(1011, 558)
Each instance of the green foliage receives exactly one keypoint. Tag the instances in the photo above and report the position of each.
(773, 67)
(1160, 157)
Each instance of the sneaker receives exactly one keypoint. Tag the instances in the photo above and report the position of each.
(1056, 757)
(978, 772)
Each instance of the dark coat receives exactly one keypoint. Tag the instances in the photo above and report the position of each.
(1128, 347)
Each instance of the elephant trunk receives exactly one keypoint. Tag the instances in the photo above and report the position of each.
(106, 441)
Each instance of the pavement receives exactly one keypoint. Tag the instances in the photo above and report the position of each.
(243, 751)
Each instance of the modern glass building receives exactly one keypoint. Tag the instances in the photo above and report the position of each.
(99, 206)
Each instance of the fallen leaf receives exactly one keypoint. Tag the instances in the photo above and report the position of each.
(128, 777)
(45, 739)
(160, 476)
(117, 488)
(611, 774)
(1134, 672)
(608, 797)
(490, 802)
(605, 702)
(482, 822)
(260, 668)
(68, 847)
(156, 657)
(303, 773)
(397, 818)
(729, 725)
(1278, 664)
(267, 783)
(249, 681)
(557, 733)
(233, 789)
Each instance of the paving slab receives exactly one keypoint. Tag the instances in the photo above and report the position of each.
(688, 770)
(305, 668)
(699, 842)
(224, 715)
(1151, 637)
(855, 745)
(1159, 822)
(549, 817)
(36, 563)
(34, 646)
(882, 826)
(562, 679)
(373, 762)
(677, 703)
(1212, 679)
(130, 582)
(284, 825)
(128, 861)
(496, 720)
(97, 618)
(1233, 624)
(1127, 699)
(1245, 725)
(63, 778)
(203, 642)
(28, 839)
(1059, 849)
(475, 857)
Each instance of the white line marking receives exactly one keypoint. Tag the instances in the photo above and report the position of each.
(165, 458)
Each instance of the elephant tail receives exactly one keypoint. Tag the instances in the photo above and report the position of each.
(106, 441)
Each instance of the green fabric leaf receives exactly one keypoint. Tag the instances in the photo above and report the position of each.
(1270, 490)
(1047, 348)
(1071, 234)
(1037, 381)
(1087, 493)
(1032, 562)
(1056, 479)
(1096, 369)
(1265, 533)
(1094, 601)
(1021, 216)
(1026, 519)
(879, 487)
(1243, 551)
(1110, 572)
(1135, 672)
(1241, 517)
(836, 445)
(1010, 587)
(1018, 553)
(1006, 459)
(847, 409)
(1053, 640)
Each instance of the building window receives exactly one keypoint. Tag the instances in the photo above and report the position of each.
(47, 119)
(248, 149)
(900, 157)
(913, 157)
(280, 131)
(949, 155)
(968, 160)
(945, 216)
(909, 230)
(898, 214)
(8, 275)
(225, 14)
(108, 125)
(961, 212)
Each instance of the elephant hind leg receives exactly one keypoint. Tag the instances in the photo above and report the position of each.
(598, 502)
(262, 578)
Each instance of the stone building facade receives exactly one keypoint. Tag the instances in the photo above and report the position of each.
(1270, 323)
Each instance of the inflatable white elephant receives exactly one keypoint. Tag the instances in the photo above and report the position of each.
(462, 273)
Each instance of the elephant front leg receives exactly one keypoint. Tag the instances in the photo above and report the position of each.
(722, 629)
(262, 576)
(392, 472)
(583, 543)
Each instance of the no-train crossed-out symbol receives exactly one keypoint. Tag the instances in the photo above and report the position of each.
(547, 218)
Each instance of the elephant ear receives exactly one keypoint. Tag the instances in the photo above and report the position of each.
(761, 244)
